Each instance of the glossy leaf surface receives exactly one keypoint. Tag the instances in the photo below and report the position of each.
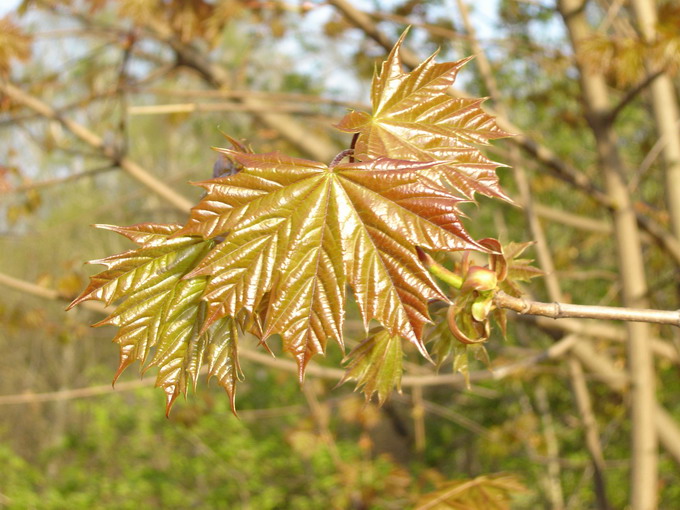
(161, 312)
(414, 119)
(297, 231)
(276, 241)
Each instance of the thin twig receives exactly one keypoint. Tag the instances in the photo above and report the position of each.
(95, 141)
(165, 109)
(632, 93)
(297, 134)
(43, 292)
(272, 97)
(61, 180)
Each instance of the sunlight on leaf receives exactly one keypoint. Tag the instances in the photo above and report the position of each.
(297, 231)
(414, 119)
(276, 241)
(162, 311)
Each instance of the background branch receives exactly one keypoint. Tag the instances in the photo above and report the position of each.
(96, 142)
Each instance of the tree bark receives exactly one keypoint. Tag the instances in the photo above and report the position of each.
(578, 382)
(644, 456)
(666, 115)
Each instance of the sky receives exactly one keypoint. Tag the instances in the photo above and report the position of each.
(8, 5)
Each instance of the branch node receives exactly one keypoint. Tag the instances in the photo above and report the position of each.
(558, 310)
(526, 307)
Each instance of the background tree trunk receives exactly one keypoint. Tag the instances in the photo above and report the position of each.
(644, 459)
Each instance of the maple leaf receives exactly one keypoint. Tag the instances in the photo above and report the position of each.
(489, 492)
(163, 311)
(296, 232)
(273, 245)
(446, 345)
(376, 364)
(414, 119)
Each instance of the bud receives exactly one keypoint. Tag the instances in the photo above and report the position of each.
(480, 279)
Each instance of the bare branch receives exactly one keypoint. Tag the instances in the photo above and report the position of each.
(601, 331)
(272, 97)
(632, 93)
(164, 109)
(295, 133)
(61, 180)
(43, 292)
(566, 310)
(95, 141)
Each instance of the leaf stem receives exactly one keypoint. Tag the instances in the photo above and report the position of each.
(352, 146)
(440, 271)
(337, 159)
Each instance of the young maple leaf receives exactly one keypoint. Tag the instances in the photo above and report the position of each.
(162, 310)
(414, 119)
(376, 364)
(297, 231)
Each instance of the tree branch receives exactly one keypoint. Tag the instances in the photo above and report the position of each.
(566, 310)
(61, 180)
(546, 263)
(45, 293)
(669, 433)
(314, 146)
(164, 109)
(95, 141)
(632, 93)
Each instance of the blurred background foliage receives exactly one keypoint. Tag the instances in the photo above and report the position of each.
(157, 81)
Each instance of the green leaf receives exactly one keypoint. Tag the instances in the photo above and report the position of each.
(442, 340)
(222, 357)
(414, 119)
(490, 492)
(461, 362)
(297, 231)
(162, 310)
(376, 364)
(516, 269)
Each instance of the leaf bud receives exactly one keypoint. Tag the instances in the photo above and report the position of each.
(480, 279)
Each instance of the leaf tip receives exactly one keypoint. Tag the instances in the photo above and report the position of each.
(125, 361)
(171, 394)
(353, 122)
(423, 351)
(232, 404)
(72, 304)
